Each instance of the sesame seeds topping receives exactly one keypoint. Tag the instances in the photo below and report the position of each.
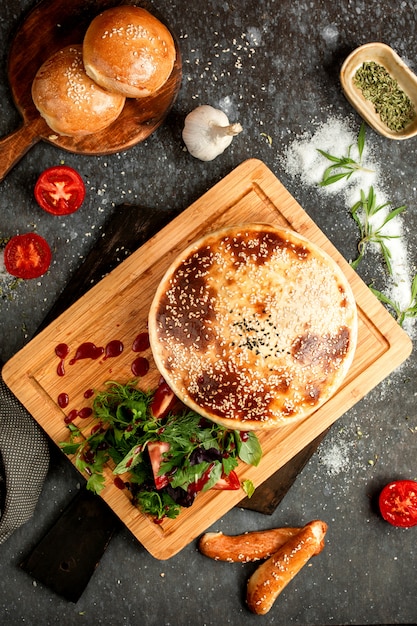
(252, 326)
(77, 89)
(143, 46)
(131, 32)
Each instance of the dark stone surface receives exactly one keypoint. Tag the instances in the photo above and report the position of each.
(273, 66)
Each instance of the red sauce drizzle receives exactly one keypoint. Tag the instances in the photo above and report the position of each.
(62, 351)
(113, 348)
(71, 416)
(141, 342)
(63, 400)
(74, 413)
(198, 485)
(140, 366)
(119, 483)
(87, 350)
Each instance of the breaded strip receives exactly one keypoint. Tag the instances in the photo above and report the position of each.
(270, 578)
(250, 546)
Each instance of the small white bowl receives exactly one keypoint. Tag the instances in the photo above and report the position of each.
(406, 79)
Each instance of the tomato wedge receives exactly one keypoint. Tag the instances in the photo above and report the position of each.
(27, 256)
(398, 503)
(163, 401)
(156, 451)
(228, 482)
(60, 190)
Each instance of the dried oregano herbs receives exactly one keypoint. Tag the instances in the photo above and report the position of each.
(392, 105)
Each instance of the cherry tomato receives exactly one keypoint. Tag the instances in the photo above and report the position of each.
(60, 190)
(398, 503)
(27, 256)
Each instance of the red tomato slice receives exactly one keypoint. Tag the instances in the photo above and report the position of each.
(27, 256)
(60, 190)
(398, 503)
(156, 451)
(229, 482)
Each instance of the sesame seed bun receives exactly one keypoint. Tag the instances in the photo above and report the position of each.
(70, 102)
(253, 327)
(129, 51)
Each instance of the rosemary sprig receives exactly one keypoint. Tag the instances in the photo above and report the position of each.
(363, 213)
(400, 314)
(345, 166)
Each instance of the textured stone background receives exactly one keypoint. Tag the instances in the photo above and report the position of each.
(274, 67)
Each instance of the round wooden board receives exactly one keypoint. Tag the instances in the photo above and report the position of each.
(50, 26)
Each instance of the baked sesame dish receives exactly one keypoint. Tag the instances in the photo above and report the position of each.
(253, 326)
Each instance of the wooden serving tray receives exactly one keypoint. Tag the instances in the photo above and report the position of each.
(117, 308)
(48, 27)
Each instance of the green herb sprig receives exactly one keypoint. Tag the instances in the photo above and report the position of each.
(363, 213)
(400, 314)
(345, 166)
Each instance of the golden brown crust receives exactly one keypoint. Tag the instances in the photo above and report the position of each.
(71, 103)
(129, 51)
(250, 546)
(270, 578)
(253, 327)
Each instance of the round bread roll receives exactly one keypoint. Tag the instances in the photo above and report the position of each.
(71, 103)
(128, 51)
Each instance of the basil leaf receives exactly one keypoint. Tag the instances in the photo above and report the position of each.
(229, 464)
(69, 448)
(250, 450)
(215, 476)
(131, 459)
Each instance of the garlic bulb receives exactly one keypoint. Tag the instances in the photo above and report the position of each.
(207, 132)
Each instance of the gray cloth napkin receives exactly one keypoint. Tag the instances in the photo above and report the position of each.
(24, 460)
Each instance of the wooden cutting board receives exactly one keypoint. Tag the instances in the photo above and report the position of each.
(117, 308)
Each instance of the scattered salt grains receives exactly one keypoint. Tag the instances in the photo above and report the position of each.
(336, 457)
(303, 161)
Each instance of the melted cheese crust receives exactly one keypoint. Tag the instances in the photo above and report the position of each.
(253, 327)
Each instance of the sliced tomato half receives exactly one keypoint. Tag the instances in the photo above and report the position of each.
(156, 451)
(398, 503)
(27, 256)
(228, 482)
(60, 190)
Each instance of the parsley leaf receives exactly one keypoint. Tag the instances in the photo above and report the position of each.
(248, 488)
